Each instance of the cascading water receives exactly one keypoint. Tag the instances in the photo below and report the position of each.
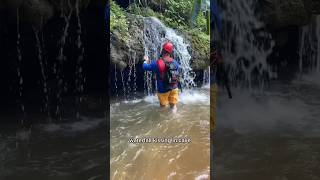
(155, 34)
(309, 53)
(116, 80)
(134, 75)
(43, 74)
(34, 86)
(61, 58)
(80, 80)
(245, 45)
(206, 77)
(318, 38)
(123, 84)
(19, 74)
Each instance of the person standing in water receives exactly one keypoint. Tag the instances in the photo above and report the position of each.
(167, 72)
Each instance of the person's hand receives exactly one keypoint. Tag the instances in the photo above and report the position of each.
(146, 59)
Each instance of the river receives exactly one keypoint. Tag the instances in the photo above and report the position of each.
(142, 118)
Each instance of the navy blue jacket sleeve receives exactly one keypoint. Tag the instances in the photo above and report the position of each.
(150, 67)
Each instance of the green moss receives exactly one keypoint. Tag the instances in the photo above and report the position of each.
(118, 19)
(200, 41)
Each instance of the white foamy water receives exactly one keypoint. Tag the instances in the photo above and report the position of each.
(274, 133)
(82, 125)
(256, 112)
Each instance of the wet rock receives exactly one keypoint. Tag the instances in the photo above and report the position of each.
(200, 53)
(279, 13)
(313, 6)
(125, 48)
(35, 12)
(38, 12)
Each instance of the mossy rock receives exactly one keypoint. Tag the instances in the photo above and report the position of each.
(124, 48)
(200, 50)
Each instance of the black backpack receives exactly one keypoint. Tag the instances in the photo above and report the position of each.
(171, 75)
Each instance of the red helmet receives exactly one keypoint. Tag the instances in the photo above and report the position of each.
(168, 47)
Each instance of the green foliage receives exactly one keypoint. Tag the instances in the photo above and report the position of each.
(118, 20)
(178, 11)
(143, 11)
(176, 14)
(201, 22)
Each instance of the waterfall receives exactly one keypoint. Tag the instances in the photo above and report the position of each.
(116, 80)
(155, 34)
(61, 58)
(309, 52)
(43, 74)
(134, 76)
(246, 45)
(123, 84)
(206, 77)
(318, 38)
(19, 74)
(80, 80)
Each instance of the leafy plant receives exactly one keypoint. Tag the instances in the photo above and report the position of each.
(118, 19)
